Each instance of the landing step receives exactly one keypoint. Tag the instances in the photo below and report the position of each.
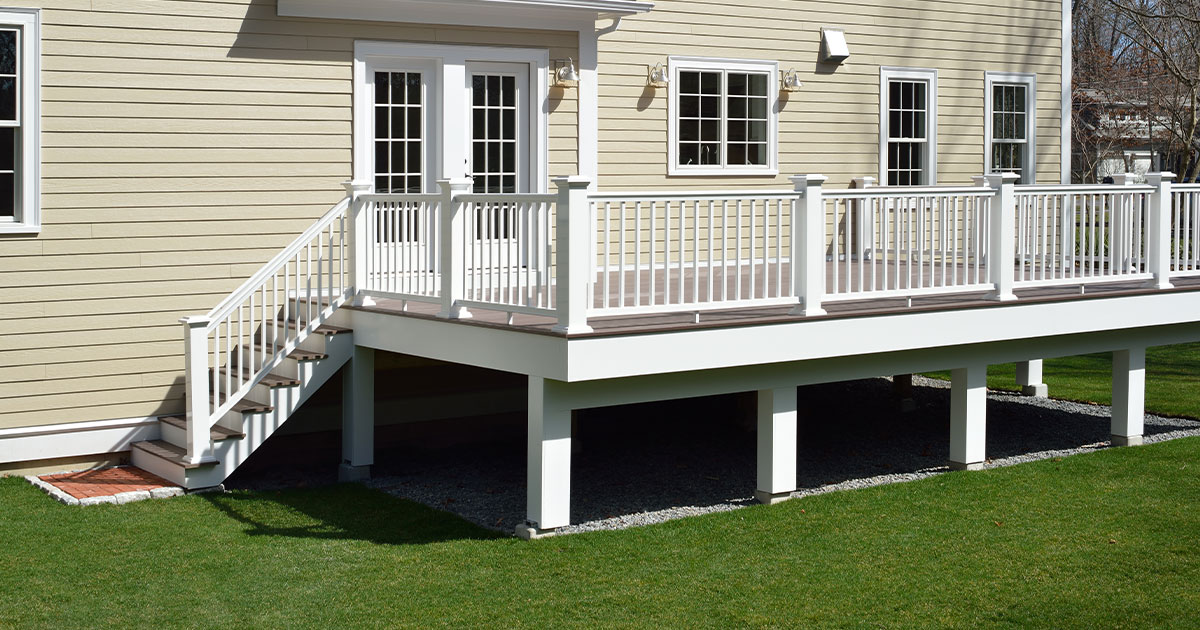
(217, 433)
(169, 452)
(299, 354)
(324, 329)
(270, 380)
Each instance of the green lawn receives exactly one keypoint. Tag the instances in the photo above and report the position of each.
(1109, 539)
(1172, 379)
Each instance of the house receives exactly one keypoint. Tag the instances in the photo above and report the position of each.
(615, 200)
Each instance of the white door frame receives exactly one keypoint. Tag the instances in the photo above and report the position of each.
(450, 135)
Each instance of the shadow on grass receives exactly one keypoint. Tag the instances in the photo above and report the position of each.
(343, 512)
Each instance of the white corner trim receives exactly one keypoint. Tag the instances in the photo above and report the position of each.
(677, 63)
(1029, 80)
(1065, 98)
(929, 75)
(28, 219)
(73, 439)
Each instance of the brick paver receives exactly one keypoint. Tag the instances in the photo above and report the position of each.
(105, 482)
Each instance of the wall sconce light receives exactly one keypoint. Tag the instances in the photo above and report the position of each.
(564, 73)
(789, 82)
(657, 76)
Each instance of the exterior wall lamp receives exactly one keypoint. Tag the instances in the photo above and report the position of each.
(657, 76)
(789, 82)
(565, 75)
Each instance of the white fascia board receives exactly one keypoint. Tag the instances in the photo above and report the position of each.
(74, 439)
(546, 14)
(658, 353)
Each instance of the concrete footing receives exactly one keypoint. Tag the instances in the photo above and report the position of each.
(347, 473)
(768, 498)
(1037, 391)
(962, 466)
(1126, 440)
(525, 531)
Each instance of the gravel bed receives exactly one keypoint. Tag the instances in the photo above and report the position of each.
(654, 463)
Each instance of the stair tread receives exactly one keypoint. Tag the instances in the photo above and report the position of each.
(324, 329)
(299, 354)
(270, 380)
(246, 405)
(216, 434)
(169, 452)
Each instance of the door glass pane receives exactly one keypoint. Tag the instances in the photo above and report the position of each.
(399, 163)
(494, 133)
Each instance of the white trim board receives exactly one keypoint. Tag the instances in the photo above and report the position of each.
(73, 439)
(538, 14)
(1064, 147)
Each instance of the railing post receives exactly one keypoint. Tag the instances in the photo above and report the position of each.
(572, 241)
(808, 245)
(453, 247)
(1158, 230)
(1002, 236)
(196, 392)
(358, 239)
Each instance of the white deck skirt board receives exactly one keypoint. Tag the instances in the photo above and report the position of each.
(75, 439)
(1080, 326)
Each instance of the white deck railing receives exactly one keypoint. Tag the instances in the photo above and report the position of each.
(907, 241)
(403, 234)
(232, 347)
(1185, 230)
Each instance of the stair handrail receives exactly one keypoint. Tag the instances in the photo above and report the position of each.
(212, 388)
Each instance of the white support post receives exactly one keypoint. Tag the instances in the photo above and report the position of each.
(549, 464)
(1158, 230)
(454, 247)
(358, 239)
(808, 245)
(1002, 238)
(358, 416)
(198, 395)
(968, 417)
(1128, 396)
(572, 239)
(776, 445)
(1029, 378)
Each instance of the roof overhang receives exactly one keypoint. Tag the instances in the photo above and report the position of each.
(548, 14)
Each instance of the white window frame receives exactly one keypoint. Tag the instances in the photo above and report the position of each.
(930, 77)
(448, 130)
(27, 218)
(1029, 161)
(770, 68)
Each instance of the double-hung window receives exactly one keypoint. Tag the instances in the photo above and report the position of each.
(19, 117)
(908, 126)
(1010, 124)
(723, 117)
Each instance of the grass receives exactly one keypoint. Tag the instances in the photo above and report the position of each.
(1172, 376)
(1100, 540)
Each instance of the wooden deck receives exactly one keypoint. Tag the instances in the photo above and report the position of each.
(687, 319)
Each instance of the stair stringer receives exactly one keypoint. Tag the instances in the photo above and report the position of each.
(285, 401)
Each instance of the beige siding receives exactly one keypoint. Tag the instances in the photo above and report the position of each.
(184, 143)
(832, 125)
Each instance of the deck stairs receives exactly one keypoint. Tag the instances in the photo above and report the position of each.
(256, 357)
(253, 419)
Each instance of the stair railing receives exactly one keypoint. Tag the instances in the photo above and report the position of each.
(231, 348)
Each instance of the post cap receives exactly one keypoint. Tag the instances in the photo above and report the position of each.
(1155, 179)
(573, 181)
(195, 321)
(805, 181)
(458, 184)
(864, 182)
(356, 186)
(998, 179)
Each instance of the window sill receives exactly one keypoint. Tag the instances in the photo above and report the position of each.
(722, 172)
(13, 227)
